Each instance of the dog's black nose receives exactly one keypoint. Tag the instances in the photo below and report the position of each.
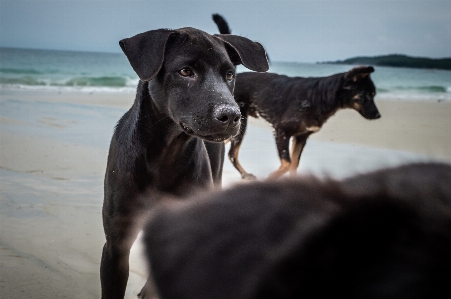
(227, 116)
(376, 115)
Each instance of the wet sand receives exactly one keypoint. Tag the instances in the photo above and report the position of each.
(53, 152)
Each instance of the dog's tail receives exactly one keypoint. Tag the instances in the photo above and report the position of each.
(224, 28)
(222, 24)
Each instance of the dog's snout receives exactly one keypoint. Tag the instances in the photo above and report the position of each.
(226, 116)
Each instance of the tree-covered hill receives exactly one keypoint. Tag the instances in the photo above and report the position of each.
(399, 60)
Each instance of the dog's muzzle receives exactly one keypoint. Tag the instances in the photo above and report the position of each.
(223, 123)
(226, 117)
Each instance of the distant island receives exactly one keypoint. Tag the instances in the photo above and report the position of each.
(398, 60)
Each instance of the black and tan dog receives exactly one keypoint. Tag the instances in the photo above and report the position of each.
(385, 234)
(170, 142)
(297, 107)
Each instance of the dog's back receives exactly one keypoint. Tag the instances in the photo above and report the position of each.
(363, 237)
(279, 98)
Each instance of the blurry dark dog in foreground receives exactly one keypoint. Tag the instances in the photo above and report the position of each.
(297, 107)
(385, 234)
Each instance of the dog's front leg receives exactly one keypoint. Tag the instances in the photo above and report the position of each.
(235, 145)
(120, 231)
(282, 142)
(296, 151)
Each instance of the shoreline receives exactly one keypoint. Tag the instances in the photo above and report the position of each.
(413, 126)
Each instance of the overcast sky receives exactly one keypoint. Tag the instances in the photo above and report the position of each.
(304, 31)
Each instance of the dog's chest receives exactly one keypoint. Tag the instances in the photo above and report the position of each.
(309, 124)
(308, 128)
(182, 168)
(312, 121)
(313, 129)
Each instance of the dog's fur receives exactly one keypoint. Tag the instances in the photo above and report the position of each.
(385, 234)
(171, 139)
(297, 107)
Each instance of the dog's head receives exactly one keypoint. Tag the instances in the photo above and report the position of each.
(359, 91)
(191, 76)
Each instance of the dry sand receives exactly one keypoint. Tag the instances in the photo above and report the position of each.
(53, 151)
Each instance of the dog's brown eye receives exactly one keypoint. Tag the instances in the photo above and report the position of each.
(230, 75)
(185, 72)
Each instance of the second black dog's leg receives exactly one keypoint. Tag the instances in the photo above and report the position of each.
(235, 147)
(296, 151)
(114, 268)
(282, 142)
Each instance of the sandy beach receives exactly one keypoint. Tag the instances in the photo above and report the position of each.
(53, 152)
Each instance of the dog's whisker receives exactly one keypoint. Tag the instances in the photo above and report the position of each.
(160, 120)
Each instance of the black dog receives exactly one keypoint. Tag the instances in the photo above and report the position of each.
(171, 139)
(385, 234)
(297, 107)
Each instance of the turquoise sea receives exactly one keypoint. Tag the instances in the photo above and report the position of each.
(110, 72)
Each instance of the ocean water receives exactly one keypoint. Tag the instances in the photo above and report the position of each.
(48, 69)
(111, 72)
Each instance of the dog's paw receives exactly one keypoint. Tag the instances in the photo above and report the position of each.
(144, 295)
(148, 292)
(248, 176)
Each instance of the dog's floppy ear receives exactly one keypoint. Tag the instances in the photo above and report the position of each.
(246, 52)
(145, 52)
(359, 73)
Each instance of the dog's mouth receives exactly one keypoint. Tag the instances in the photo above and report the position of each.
(187, 129)
(218, 137)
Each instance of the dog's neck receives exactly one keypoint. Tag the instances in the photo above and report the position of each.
(144, 129)
(335, 100)
(153, 126)
(325, 95)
